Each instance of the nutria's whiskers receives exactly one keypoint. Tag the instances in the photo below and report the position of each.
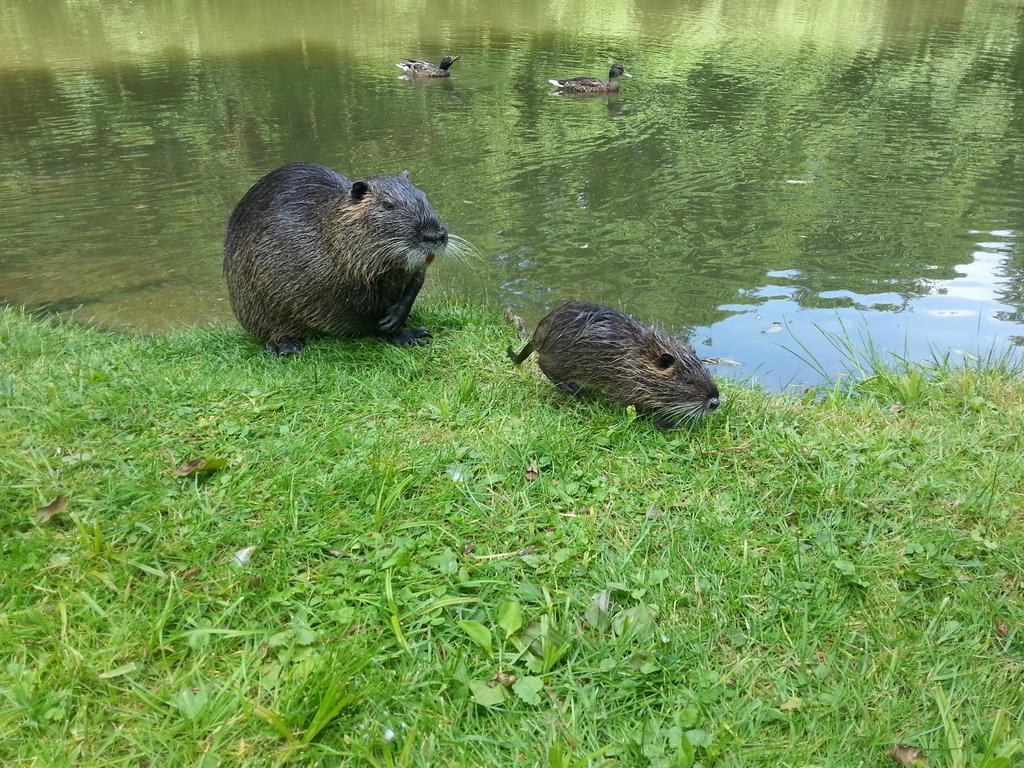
(683, 412)
(460, 249)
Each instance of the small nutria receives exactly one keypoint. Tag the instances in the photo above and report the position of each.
(580, 344)
(310, 253)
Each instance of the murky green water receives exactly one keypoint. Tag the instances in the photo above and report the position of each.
(773, 166)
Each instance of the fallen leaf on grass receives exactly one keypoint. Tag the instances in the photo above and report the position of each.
(1001, 628)
(510, 617)
(532, 471)
(124, 669)
(45, 514)
(639, 620)
(596, 614)
(191, 572)
(477, 632)
(486, 695)
(195, 466)
(908, 756)
(793, 702)
(528, 689)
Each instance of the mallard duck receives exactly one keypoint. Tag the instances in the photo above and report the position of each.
(417, 68)
(592, 84)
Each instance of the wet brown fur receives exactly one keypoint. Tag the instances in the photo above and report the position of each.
(303, 258)
(581, 345)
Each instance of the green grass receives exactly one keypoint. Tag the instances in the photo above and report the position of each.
(792, 582)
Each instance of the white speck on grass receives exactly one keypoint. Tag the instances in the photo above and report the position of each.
(242, 557)
(458, 473)
(389, 735)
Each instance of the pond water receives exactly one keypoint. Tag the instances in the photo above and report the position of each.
(774, 171)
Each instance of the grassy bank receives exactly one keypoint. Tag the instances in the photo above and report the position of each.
(787, 583)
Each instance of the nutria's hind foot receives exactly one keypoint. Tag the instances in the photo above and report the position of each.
(285, 346)
(568, 387)
(409, 337)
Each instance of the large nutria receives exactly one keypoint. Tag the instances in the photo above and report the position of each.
(581, 345)
(310, 253)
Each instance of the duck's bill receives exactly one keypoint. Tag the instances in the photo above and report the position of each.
(626, 73)
(456, 58)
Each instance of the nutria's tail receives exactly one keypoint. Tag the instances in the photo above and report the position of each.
(517, 359)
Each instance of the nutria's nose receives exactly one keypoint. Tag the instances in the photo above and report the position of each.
(712, 403)
(434, 234)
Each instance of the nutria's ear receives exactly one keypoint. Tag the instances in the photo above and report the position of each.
(359, 190)
(664, 362)
(405, 174)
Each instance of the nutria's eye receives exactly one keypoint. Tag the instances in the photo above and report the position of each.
(664, 362)
(388, 205)
(359, 189)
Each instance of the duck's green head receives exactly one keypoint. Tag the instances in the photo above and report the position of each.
(617, 70)
(447, 61)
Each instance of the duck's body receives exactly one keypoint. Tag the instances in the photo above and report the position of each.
(417, 68)
(592, 84)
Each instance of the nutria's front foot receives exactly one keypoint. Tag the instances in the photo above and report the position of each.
(409, 337)
(666, 424)
(284, 346)
(568, 387)
(393, 320)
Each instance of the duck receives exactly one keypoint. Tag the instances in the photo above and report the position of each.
(592, 84)
(417, 68)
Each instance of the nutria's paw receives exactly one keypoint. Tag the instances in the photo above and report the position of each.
(568, 387)
(284, 346)
(666, 424)
(393, 320)
(410, 337)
